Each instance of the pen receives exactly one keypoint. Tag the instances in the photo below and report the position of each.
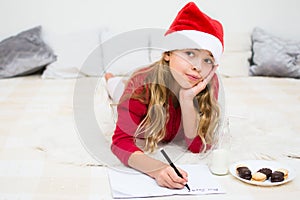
(173, 166)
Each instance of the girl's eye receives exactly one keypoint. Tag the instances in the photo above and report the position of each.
(208, 61)
(190, 53)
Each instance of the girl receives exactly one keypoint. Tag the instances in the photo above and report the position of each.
(175, 96)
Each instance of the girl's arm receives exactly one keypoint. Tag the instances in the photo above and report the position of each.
(189, 117)
(163, 173)
(130, 114)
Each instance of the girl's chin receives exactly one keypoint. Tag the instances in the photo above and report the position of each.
(187, 85)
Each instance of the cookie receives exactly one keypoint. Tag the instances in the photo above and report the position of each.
(284, 171)
(266, 171)
(259, 176)
(244, 172)
(277, 176)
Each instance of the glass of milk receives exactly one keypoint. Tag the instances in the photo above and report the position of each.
(219, 160)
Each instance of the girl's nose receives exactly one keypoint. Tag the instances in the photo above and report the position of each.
(197, 67)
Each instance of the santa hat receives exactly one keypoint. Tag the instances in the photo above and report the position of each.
(202, 31)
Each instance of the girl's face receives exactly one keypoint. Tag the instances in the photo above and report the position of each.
(190, 66)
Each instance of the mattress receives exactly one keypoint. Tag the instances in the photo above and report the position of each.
(43, 153)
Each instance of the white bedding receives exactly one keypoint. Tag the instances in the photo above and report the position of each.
(41, 156)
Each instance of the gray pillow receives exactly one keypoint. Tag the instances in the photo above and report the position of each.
(24, 54)
(273, 56)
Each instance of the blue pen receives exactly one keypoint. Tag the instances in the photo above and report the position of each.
(173, 166)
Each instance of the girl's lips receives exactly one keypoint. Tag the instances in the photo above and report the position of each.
(193, 78)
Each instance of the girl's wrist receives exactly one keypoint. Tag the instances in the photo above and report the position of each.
(187, 105)
(156, 172)
(185, 97)
(186, 102)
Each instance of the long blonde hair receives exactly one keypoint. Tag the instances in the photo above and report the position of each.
(153, 126)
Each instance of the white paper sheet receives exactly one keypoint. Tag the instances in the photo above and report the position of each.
(129, 183)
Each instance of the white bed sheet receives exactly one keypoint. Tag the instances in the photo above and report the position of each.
(41, 156)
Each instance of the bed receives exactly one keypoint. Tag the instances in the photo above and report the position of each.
(42, 155)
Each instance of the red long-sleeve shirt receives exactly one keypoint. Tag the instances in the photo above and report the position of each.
(132, 111)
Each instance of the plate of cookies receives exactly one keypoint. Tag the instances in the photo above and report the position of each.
(262, 172)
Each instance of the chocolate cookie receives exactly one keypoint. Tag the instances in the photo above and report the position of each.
(244, 172)
(266, 171)
(277, 176)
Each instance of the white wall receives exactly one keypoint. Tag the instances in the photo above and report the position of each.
(239, 17)
(277, 16)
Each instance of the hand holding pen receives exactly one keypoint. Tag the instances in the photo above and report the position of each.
(173, 166)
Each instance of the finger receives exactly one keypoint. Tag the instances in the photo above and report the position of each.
(167, 181)
(201, 85)
(164, 180)
(211, 74)
(177, 179)
(184, 174)
(176, 182)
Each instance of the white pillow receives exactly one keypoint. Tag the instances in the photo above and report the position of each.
(237, 41)
(72, 50)
(235, 64)
(124, 51)
(128, 63)
(237, 51)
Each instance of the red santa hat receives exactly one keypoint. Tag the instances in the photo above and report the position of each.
(203, 31)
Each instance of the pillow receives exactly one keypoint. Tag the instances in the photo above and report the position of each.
(273, 56)
(124, 51)
(72, 49)
(237, 41)
(235, 64)
(24, 54)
